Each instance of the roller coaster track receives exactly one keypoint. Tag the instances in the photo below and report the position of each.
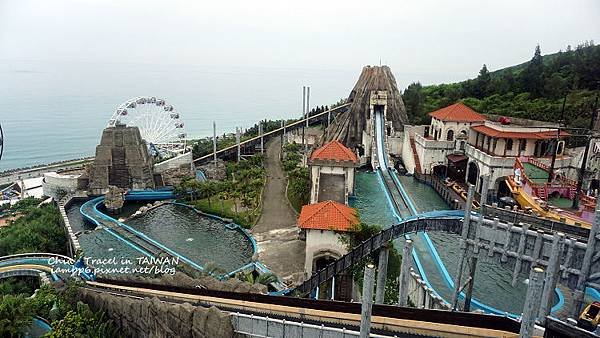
(293, 125)
(386, 319)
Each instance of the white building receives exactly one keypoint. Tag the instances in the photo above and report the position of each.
(426, 147)
(322, 224)
(493, 146)
(332, 173)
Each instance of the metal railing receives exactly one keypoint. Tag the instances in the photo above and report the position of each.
(292, 125)
(374, 243)
(516, 217)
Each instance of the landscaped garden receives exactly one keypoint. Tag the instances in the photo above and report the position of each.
(238, 197)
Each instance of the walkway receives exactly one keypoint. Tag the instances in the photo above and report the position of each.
(276, 233)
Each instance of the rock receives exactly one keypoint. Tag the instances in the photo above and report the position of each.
(114, 199)
(212, 172)
(348, 127)
(154, 318)
(206, 282)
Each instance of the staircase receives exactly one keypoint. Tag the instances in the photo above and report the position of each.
(415, 156)
(119, 174)
(542, 193)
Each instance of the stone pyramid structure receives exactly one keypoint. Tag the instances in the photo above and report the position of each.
(122, 160)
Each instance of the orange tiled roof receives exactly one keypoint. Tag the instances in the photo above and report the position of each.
(538, 135)
(458, 112)
(334, 151)
(328, 215)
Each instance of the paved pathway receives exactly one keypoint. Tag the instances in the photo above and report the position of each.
(276, 232)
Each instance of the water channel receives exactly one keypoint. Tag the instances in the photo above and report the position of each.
(492, 280)
(204, 240)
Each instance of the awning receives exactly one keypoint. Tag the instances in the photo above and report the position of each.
(455, 158)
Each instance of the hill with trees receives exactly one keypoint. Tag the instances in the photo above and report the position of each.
(534, 89)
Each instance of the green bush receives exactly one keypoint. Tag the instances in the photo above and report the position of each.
(38, 230)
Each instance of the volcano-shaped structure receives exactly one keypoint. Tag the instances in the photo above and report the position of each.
(348, 127)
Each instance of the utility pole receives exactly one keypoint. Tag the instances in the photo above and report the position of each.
(303, 110)
(238, 140)
(585, 156)
(555, 148)
(307, 117)
(215, 143)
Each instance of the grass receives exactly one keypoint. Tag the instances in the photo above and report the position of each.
(226, 209)
(296, 201)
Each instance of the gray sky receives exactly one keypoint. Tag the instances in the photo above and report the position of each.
(437, 40)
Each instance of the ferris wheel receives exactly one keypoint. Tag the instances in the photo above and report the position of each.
(159, 124)
(1, 142)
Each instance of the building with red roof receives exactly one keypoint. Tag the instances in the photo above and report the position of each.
(328, 215)
(322, 224)
(332, 172)
(449, 122)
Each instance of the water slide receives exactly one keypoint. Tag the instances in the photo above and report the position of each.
(426, 258)
(23, 264)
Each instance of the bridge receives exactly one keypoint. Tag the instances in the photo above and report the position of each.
(254, 140)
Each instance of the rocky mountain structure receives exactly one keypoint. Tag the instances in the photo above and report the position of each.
(375, 87)
(154, 318)
(204, 282)
(122, 160)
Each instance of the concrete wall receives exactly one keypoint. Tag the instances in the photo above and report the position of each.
(431, 152)
(320, 243)
(56, 184)
(407, 152)
(173, 163)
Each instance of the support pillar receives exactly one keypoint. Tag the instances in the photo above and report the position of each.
(552, 274)
(469, 293)
(367, 301)
(237, 141)
(384, 253)
(405, 273)
(307, 118)
(303, 111)
(484, 190)
(215, 143)
(262, 142)
(282, 133)
(536, 279)
(333, 288)
(586, 265)
(463, 245)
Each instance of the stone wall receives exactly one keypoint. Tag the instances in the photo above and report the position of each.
(154, 318)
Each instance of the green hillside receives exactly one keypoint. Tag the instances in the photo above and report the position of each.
(534, 89)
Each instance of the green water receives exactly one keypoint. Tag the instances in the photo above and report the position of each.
(202, 239)
(492, 280)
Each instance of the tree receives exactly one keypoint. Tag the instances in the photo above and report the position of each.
(532, 77)
(483, 83)
(16, 313)
(413, 100)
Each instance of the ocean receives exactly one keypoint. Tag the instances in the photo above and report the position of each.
(52, 111)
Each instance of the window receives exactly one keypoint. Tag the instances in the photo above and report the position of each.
(523, 145)
(509, 144)
(450, 135)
